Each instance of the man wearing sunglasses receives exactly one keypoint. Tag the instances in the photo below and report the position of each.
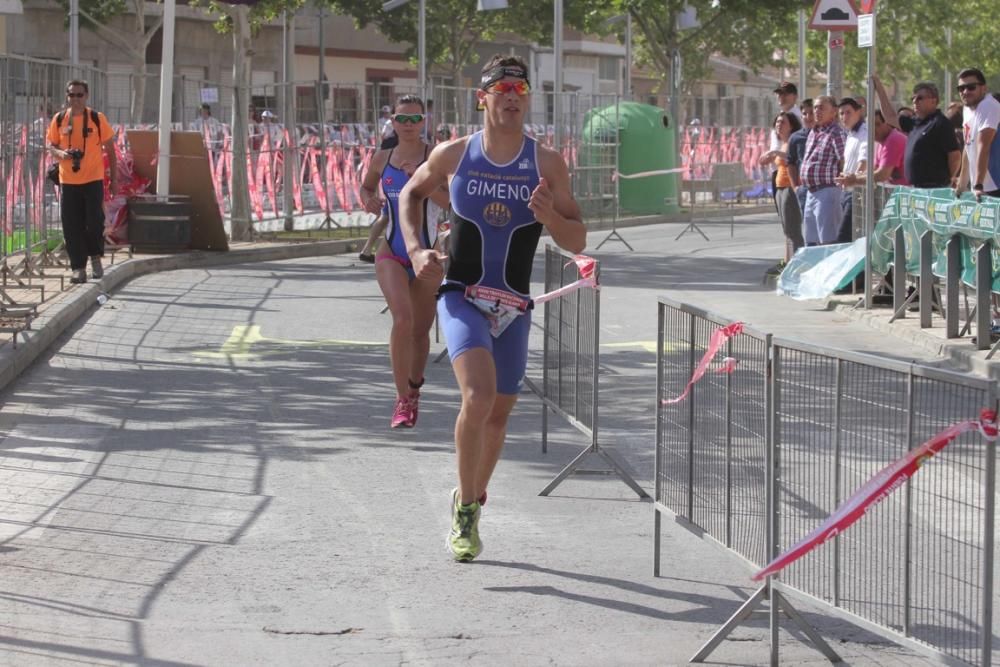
(932, 156)
(78, 139)
(505, 190)
(980, 118)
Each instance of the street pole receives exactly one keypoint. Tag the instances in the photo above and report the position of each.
(288, 179)
(675, 116)
(422, 50)
(74, 34)
(803, 78)
(557, 50)
(628, 56)
(947, 72)
(869, 218)
(834, 64)
(166, 100)
(321, 119)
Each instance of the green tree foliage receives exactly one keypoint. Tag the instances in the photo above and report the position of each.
(133, 41)
(454, 27)
(749, 30)
(242, 18)
(259, 12)
(911, 44)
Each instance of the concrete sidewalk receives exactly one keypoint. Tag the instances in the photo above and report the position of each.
(199, 472)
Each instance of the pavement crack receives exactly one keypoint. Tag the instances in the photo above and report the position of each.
(318, 633)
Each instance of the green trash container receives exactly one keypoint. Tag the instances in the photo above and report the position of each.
(645, 143)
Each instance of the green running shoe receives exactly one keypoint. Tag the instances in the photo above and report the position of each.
(463, 540)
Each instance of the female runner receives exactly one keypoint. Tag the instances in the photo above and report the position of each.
(411, 302)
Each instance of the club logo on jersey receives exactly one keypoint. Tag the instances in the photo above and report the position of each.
(524, 164)
(496, 214)
(387, 181)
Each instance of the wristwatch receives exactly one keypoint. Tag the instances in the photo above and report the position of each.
(977, 186)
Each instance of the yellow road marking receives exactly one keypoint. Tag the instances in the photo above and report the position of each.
(647, 345)
(245, 336)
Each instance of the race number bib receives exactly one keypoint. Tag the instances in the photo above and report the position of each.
(500, 307)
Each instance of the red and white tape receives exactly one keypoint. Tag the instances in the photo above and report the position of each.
(587, 267)
(878, 488)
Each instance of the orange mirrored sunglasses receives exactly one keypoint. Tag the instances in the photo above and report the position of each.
(503, 87)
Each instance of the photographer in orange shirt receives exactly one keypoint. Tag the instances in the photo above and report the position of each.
(78, 137)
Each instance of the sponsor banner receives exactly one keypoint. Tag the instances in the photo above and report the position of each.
(918, 210)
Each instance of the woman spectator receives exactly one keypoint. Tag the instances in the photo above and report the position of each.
(785, 123)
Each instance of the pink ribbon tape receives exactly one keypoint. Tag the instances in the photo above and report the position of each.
(719, 336)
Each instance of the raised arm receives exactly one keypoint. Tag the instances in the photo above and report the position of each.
(553, 204)
(885, 104)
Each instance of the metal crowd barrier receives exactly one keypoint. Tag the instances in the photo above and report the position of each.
(757, 458)
(571, 366)
(711, 446)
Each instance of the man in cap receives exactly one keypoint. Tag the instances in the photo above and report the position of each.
(787, 94)
(271, 128)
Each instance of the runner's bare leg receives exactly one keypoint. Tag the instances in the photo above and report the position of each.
(493, 439)
(476, 375)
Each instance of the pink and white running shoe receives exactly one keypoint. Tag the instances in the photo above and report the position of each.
(402, 414)
(414, 408)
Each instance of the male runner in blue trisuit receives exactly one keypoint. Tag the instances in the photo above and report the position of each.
(504, 189)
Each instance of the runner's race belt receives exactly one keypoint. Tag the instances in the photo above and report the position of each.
(499, 307)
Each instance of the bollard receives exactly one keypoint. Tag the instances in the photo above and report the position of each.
(899, 273)
(984, 309)
(926, 280)
(953, 280)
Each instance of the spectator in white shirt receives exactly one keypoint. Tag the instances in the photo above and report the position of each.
(855, 161)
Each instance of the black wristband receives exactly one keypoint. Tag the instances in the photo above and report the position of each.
(977, 186)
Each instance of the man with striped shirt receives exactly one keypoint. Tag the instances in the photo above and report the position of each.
(821, 164)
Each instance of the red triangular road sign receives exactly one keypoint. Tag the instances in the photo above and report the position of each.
(834, 15)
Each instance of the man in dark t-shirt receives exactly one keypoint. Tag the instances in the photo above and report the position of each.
(932, 157)
(797, 149)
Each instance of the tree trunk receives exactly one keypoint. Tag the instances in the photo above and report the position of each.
(240, 226)
(141, 40)
(457, 95)
(138, 102)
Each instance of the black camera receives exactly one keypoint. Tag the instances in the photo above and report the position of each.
(75, 155)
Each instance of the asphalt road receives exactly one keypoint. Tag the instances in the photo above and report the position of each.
(201, 473)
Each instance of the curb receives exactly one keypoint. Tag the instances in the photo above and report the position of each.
(683, 217)
(958, 352)
(71, 305)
